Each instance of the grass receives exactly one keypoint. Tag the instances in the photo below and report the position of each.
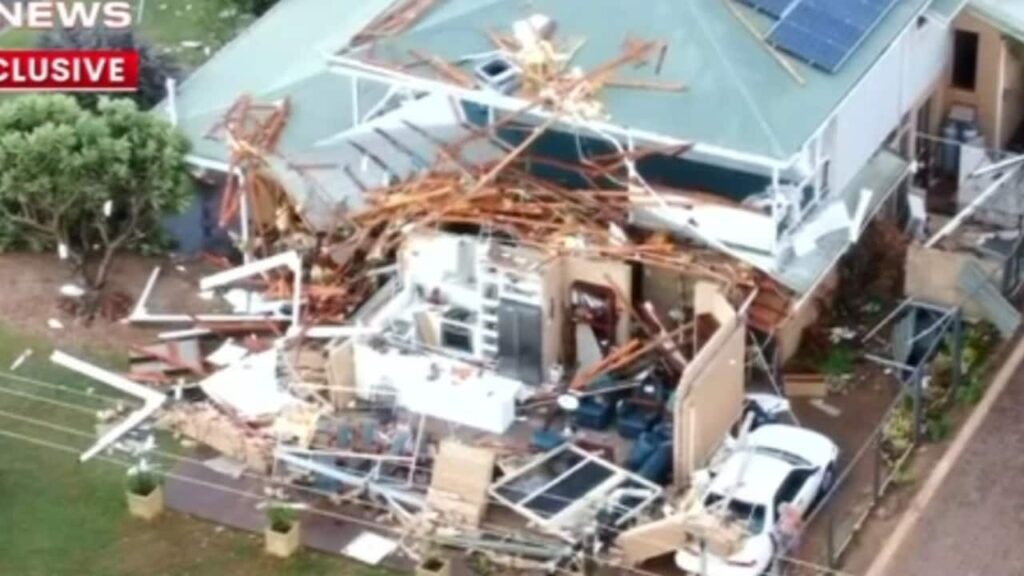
(167, 24)
(65, 518)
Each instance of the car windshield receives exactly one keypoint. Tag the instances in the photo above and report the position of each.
(783, 455)
(750, 515)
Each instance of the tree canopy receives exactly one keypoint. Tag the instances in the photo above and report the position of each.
(87, 183)
(154, 67)
(255, 7)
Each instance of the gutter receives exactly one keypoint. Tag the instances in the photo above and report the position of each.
(355, 68)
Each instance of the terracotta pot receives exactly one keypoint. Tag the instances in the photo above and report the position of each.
(282, 544)
(146, 507)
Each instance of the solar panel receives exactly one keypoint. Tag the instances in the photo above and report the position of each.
(775, 8)
(824, 33)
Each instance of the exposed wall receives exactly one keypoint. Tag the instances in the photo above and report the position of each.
(556, 302)
(341, 375)
(985, 98)
(933, 275)
(1013, 91)
(710, 393)
(600, 272)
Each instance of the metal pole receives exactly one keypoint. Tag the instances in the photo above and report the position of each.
(876, 481)
(831, 541)
(918, 406)
(416, 451)
(958, 349)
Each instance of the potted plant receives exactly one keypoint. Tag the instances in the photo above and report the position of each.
(145, 493)
(282, 532)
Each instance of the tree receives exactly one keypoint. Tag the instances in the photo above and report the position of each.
(89, 184)
(154, 67)
(255, 7)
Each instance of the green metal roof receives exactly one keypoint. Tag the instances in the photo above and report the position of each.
(738, 96)
(1007, 15)
(281, 54)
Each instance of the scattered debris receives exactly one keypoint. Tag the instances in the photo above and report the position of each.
(370, 548)
(826, 408)
(20, 359)
(72, 291)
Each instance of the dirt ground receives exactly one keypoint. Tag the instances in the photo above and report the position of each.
(31, 285)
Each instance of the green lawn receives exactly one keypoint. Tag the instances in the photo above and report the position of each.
(169, 23)
(65, 518)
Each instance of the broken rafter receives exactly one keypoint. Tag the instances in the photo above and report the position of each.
(446, 70)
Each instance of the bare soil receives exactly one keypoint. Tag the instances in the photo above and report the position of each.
(31, 293)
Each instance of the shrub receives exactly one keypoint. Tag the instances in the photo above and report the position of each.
(143, 482)
(838, 361)
(282, 518)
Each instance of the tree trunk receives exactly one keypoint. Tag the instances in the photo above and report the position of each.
(100, 279)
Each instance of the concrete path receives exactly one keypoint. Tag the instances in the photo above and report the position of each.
(968, 519)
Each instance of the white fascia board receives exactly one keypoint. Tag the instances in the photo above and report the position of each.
(358, 69)
(153, 399)
(208, 164)
(289, 259)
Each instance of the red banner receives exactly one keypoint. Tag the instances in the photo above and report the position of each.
(69, 70)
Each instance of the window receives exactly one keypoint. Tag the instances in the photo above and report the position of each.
(752, 515)
(791, 487)
(965, 60)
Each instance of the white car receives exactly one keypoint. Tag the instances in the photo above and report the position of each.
(778, 465)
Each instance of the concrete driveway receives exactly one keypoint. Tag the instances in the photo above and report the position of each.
(972, 522)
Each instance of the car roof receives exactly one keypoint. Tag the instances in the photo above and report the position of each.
(761, 478)
(817, 449)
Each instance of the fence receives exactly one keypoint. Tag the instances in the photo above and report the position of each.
(880, 461)
(833, 526)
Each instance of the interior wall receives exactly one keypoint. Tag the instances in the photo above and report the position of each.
(341, 374)
(710, 393)
(1013, 90)
(556, 301)
(666, 290)
(601, 272)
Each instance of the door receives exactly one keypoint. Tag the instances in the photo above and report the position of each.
(519, 341)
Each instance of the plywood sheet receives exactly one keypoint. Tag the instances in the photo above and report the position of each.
(462, 475)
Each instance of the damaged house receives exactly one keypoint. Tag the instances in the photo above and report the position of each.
(505, 267)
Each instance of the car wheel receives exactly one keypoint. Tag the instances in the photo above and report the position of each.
(827, 481)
